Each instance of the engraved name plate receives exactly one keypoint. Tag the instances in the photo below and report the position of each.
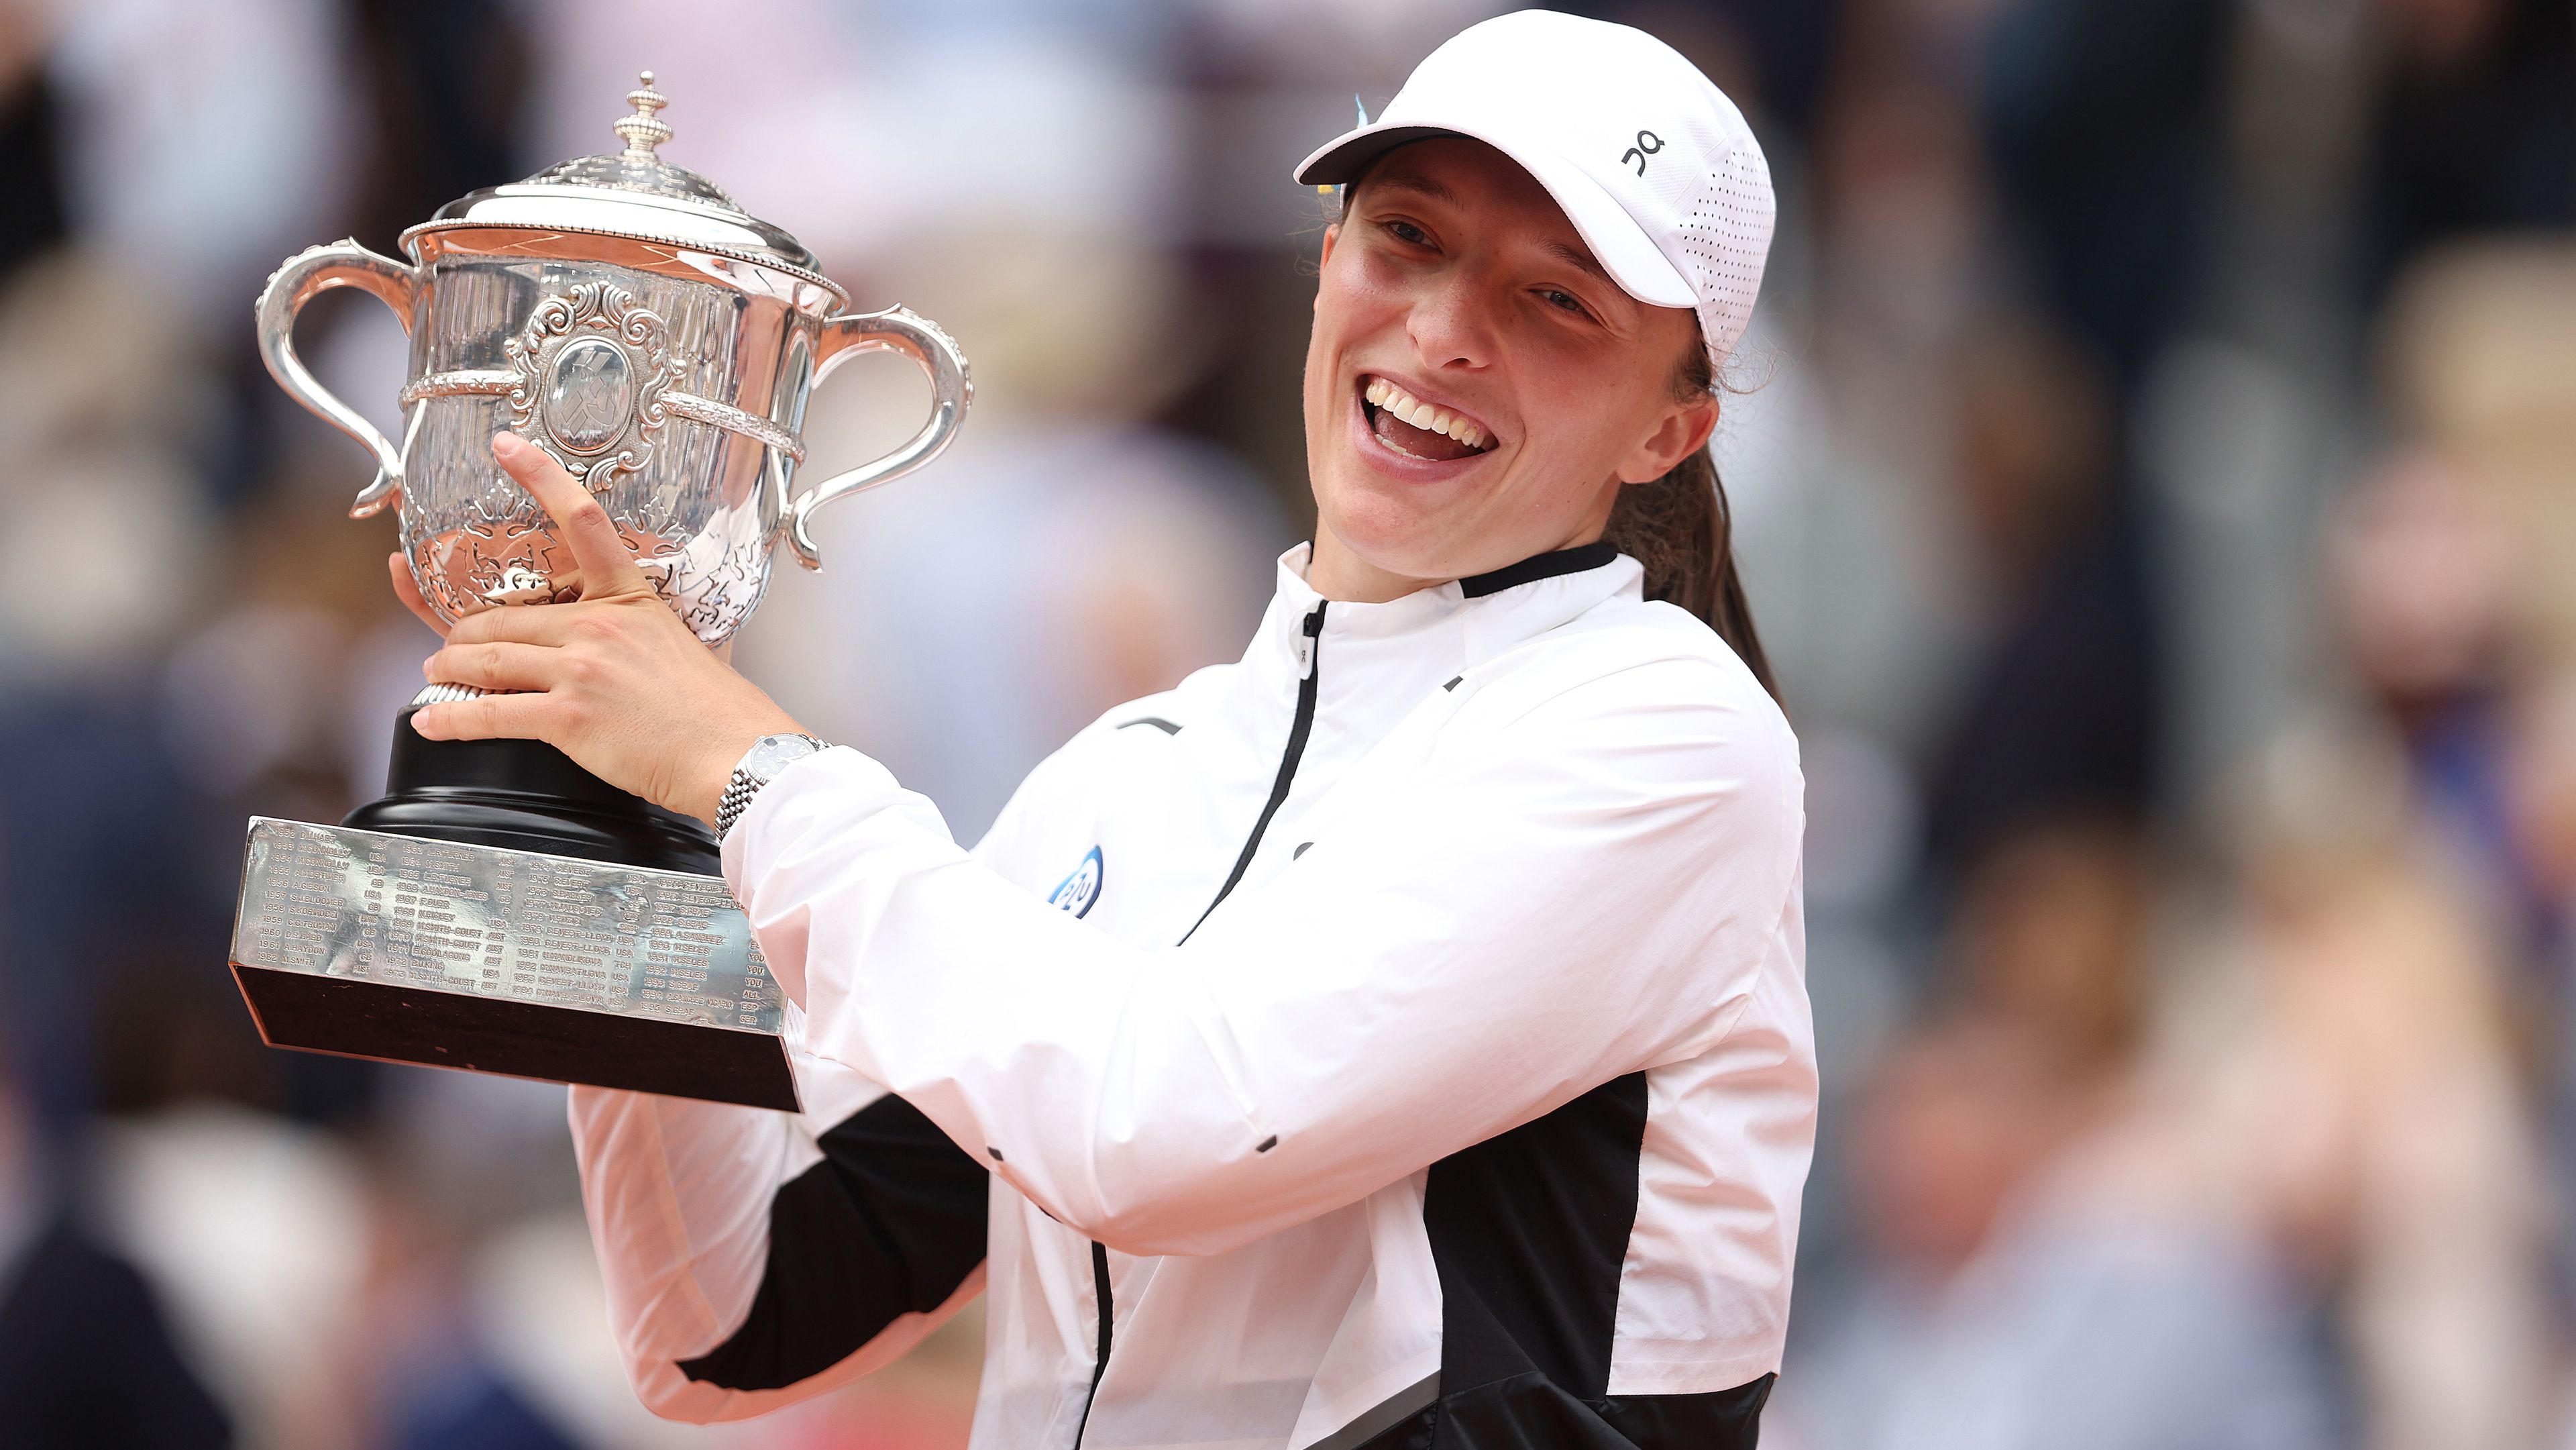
(527, 936)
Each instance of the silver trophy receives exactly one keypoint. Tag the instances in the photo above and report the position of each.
(501, 909)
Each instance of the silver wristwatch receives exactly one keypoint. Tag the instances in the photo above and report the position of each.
(759, 766)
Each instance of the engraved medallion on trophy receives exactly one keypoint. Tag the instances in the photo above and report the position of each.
(501, 909)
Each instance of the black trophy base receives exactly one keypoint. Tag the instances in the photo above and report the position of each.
(522, 795)
(527, 796)
(341, 1017)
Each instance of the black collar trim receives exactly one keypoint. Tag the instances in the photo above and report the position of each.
(1538, 566)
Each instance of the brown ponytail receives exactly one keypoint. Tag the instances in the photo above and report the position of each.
(1679, 528)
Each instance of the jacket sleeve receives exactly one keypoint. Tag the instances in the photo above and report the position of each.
(1548, 902)
(753, 1258)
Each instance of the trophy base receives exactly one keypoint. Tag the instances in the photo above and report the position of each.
(525, 795)
(503, 910)
(346, 1017)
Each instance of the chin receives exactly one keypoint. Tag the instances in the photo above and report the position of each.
(1388, 526)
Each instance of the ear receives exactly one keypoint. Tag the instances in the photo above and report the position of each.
(1332, 234)
(1683, 431)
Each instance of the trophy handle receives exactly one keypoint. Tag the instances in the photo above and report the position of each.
(952, 387)
(309, 272)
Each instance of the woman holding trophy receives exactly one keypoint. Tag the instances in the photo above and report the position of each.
(1398, 1037)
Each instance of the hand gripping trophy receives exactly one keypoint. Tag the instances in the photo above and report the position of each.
(501, 909)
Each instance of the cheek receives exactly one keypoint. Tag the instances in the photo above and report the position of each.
(1571, 426)
(1362, 297)
(1326, 339)
(1586, 418)
(1349, 313)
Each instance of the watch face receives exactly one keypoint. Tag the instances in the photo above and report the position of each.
(775, 753)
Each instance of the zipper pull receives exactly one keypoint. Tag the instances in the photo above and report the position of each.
(1306, 642)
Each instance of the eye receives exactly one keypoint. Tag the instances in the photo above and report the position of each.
(1558, 297)
(1408, 233)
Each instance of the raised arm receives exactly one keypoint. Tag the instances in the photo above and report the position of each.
(1539, 906)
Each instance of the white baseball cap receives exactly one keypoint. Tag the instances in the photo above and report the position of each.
(1651, 162)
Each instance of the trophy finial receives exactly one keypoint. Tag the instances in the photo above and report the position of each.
(644, 130)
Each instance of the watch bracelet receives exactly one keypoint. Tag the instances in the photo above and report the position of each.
(743, 786)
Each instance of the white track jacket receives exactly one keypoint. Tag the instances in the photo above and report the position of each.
(1399, 1037)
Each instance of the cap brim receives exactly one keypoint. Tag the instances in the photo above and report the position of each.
(1621, 246)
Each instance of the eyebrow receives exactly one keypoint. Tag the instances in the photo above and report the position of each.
(1576, 257)
(1419, 184)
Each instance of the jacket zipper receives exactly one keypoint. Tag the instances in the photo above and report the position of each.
(1310, 651)
(1100, 1361)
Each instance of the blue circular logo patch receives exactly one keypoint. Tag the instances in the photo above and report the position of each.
(1077, 892)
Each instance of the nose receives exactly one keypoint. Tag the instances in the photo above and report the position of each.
(1452, 322)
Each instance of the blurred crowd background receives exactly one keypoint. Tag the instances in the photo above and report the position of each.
(2154, 465)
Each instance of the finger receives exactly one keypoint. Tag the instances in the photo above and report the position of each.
(486, 717)
(407, 589)
(548, 624)
(496, 665)
(607, 566)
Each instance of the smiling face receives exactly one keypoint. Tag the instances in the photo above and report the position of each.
(1477, 388)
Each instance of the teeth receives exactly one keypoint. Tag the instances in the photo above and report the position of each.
(1382, 394)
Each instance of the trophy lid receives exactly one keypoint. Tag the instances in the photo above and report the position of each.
(632, 193)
